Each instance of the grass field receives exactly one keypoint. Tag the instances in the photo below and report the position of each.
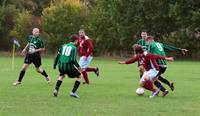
(111, 94)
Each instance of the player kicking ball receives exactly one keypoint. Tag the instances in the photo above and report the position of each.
(150, 65)
(68, 65)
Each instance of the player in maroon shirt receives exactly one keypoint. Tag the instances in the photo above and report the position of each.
(86, 49)
(151, 67)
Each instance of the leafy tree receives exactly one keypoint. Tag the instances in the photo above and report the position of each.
(35, 7)
(118, 23)
(23, 27)
(60, 18)
(8, 15)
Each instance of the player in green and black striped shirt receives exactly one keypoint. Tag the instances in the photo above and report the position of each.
(159, 49)
(68, 65)
(142, 41)
(32, 51)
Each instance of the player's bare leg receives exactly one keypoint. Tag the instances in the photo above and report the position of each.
(43, 72)
(21, 75)
(141, 70)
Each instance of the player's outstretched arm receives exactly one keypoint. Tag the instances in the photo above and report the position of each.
(172, 48)
(122, 62)
(183, 51)
(169, 59)
(24, 50)
(130, 61)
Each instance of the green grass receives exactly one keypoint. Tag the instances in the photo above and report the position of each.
(112, 94)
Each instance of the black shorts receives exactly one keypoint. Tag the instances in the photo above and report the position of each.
(34, 58)
(71, 73)
(161, 70)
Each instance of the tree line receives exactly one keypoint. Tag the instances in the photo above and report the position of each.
(114, 25)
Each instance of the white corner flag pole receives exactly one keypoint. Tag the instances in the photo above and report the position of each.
(13, 57)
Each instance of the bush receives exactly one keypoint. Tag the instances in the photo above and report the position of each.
(62, 18)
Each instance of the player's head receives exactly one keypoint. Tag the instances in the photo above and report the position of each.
(36, 32)
(74, 39)
(149, 39)
(138, 49)
(144, 34)
(197, 32)
(81, 32)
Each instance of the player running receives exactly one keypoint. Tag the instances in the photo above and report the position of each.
(151, 67)
(159, 49)
(142, 42)
(86, 51)
(34, 46)
(68, 65)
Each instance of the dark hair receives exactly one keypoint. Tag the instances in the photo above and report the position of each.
(147, 31)
(73, 38)
(137, 48)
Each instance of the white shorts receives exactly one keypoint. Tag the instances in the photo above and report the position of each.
(84, 63)
(152, 73)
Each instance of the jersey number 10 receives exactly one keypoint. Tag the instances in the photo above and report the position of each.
(66, 50)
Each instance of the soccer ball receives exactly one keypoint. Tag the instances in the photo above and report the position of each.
(31, 49)
(139, 91)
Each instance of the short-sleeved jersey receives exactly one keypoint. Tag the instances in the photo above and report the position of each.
(143, 43)
(67, 55)
(35, 42)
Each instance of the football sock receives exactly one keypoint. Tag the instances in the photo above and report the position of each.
(85, 77)
(76, 85)
(90, 69)
(59, 82)
(162, 79)
(44, 73)
(21, 75)
(149, 86)
(159, 86)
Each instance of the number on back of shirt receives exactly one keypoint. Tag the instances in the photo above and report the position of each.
(66, 50)
(159, 46)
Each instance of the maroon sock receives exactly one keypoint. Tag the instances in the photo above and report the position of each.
(85, 77)
(90, 69)
(149, 86)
